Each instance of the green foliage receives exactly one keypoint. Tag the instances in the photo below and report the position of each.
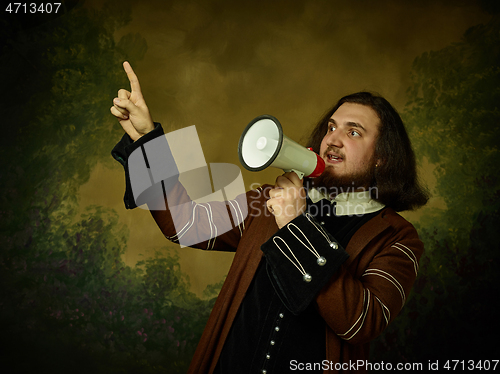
(68, 303)
(453, 116)
(77, 293)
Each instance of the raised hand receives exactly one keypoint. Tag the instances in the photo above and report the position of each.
(130, 108)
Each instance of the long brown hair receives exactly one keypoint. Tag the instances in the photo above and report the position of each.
(396, 179)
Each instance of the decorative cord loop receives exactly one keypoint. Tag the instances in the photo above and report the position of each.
(305, 276)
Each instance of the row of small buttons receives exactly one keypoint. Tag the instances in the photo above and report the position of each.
(323, 222)
(272, 342)
(334, 245)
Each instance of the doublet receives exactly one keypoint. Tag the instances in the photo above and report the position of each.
(332, 283)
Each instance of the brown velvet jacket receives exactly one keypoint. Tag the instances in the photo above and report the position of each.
(357, 303)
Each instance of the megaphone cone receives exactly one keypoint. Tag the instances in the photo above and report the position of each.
(263, 144)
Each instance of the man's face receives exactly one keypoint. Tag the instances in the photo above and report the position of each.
(348, 147)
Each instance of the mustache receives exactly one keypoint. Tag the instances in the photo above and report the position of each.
(335, 150)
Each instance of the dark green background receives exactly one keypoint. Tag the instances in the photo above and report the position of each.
(87, 286)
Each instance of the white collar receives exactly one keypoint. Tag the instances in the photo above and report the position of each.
(349, 203)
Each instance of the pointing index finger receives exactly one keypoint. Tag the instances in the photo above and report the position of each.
(134, 81)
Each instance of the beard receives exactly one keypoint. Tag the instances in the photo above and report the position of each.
(332, 185)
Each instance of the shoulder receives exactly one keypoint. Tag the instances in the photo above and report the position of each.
(383, 231)
(394, 219)
(387, 221)
(396, 222)
(400, 232)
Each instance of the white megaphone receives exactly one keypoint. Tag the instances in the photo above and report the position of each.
(263, 144)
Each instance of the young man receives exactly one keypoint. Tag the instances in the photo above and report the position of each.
(321, 266)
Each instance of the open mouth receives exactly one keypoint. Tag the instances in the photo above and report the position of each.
(334, 157)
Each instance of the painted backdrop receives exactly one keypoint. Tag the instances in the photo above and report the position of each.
(87, 286)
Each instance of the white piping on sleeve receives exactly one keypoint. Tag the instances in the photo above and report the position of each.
(391, 279)
(186, 227)
(238, 215)
(385, 310)
(408, 252)
(362, 317)
(213, 228)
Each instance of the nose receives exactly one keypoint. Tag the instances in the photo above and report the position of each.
(334, 139)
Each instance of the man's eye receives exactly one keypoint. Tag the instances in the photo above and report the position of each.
(355, 133)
